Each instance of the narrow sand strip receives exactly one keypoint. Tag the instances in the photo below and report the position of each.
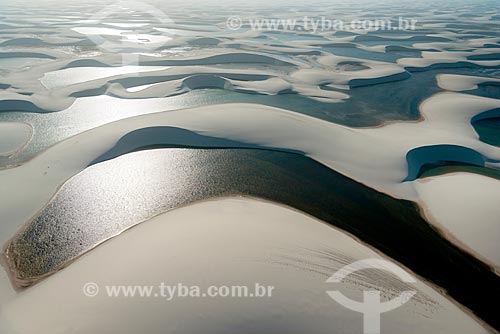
(227, 242)
(478, 226)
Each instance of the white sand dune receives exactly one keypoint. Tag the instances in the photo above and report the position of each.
(377, 72)
(477, 226)
(64, 80)
(445, 59)
(71, 76)
(231, 241)
(458, 83)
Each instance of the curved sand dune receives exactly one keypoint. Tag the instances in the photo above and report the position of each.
(477, 227)
(177, 177)
(72, 82)
(377, 72)
(75, 75)
(426, 64)
(227, 58)
(444, 59)
(247, 83)
(243, 240)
